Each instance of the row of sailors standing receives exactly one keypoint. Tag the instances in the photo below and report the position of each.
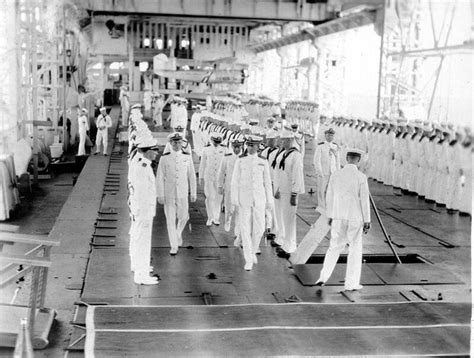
(169, 182)
(260, 183)
(262, 108)
(305, 114)
(143, 153)
(432, 160)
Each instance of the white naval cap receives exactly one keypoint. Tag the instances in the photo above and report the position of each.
(176, 136)
(84, 110)
(272, 134)
(136, 106)
(146, 141)
(253, 139)
(286, 134)
(102, 109)
(354, 152)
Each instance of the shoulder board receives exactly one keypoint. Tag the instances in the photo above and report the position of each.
(185, 153)
(320, 143)
(262, 157)
(243, 155)
(453, 142)
(144, 165)
(404, 135)
(227, 154)
(414, 135)
(222, 145)
(208, 144)
(167, 153)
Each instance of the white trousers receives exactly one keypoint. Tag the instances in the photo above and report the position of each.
(322, 186)
(213, 199)
(101, 137)
(344, 232)
(140, 244)
(125, 108)
(252, 227)
(230, 217)
(286, 217)
(311, 241)
(82, 143)
(177, 215)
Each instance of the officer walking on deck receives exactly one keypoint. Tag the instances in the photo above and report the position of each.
(175, 180)
(211, 159)
(104, 122)
(326, 161)
(224, 178)
(348, 212)
(251, 193)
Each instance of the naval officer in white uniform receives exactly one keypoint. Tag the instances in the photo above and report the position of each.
(211, 159)
(251, 193)
(348, 212)
(175, 180)
(326, 161)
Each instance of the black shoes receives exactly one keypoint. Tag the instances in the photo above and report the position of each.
(283, 254)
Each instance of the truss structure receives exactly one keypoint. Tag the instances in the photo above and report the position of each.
(417, 38)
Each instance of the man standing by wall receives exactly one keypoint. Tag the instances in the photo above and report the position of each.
(326, 161)
(104, 122)
(175, 180)
(348, 212)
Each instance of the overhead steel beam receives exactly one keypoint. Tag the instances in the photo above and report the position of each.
(346, 23)
(241, 9)
(467, 48)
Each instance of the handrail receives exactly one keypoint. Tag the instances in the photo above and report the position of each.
(27, 239)
(38, 265)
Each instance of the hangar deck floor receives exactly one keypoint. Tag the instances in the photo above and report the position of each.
(99, 273)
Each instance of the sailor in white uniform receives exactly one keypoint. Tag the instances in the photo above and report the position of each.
(175, 180)
(83, 125)
(104, 122)
(288, 184)
(211, 159)
(142, 185)
(348, 212)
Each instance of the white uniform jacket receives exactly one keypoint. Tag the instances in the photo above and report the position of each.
(83, 124)
(224, 174)
(142, 187)
(289, 176)
(179, 116)
(103, 122)
(251, 184)
(175, 177)
(326, 158)
(347, 196)
(210, 161)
